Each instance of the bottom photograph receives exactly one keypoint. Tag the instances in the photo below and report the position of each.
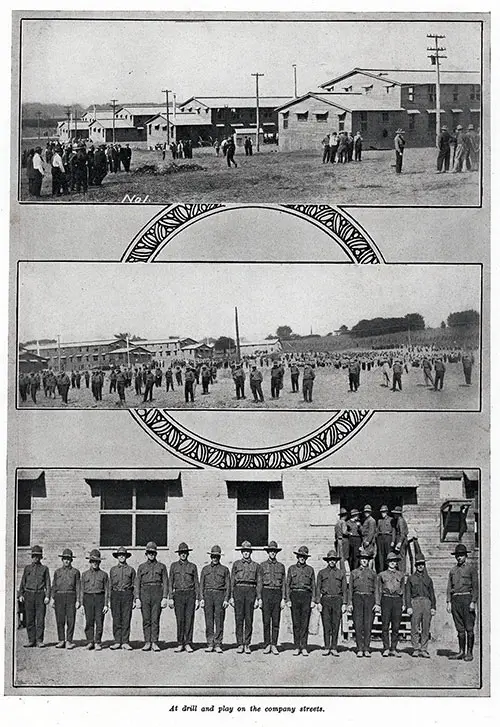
(246, 582)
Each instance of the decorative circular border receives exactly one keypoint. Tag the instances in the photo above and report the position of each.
(316, 445)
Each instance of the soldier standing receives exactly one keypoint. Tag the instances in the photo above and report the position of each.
(354, 532)
(215, 592)
(427, 369)
(294, 375)
(397, 372)
(189, 381)
(389, 601)
(385, 537)
(95, 599)
(273, 597)
(65, 595)
(361, 597)
(331, 597)
(151, 591)
(206, 377)
(256, 384)
(369, 534)
(444, 145)
(149, 381)
(399, 147)
(34, 592)
(239, 381)
(122, 579)
(467, 363)
(300, 585)
(420, 606)
(276, 380)
(400, 536)
(63, 385)
(342, 539)
(169, 379)
(121, 383)
(440, 369)
(246, 586)
(87, 378)
(184, 597)
(461, 600)
(138, 382)
(307, 382)
(178, 376)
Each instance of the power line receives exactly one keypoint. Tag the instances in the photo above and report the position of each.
(435, 58)
(257, 76)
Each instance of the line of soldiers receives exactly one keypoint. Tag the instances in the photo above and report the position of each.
(466, 148)
(342, 147)
(249, 586)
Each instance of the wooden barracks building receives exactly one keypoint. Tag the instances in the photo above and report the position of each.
(84, 509)
(378, 101)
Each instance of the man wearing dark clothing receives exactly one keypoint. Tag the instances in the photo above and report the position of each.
(150, 592)
(169, 380)
(354, 533)
(256, 384)
(440, 369)
(95, 598)
(361, 598)
(294, 375)
(397, 372)
(215, 592)
(420, 606)
(389, 603)
(331, 597)
(63, 386)
(400, 536)
(358, 147)
(100, 165)
(246, 586)
(189, 381)
(80, 166)
(300, 586)
(230, 150)
(65, 595)
(273, 597)
(184, 597)
(462, 594)
(276, 380)
(34, 592)
(112, 381)
(399, 147)
(239, 381)
(121, 580)
(467, 363)
(248, 147)
(384, 538)
(444, 145)
(149, 381)
(354, 371)
(308, 382)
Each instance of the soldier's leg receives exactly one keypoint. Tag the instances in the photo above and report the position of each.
(294, 598)
(29, 606)
(470, 619)
(99, 617)
(127, 604)
(219, 616)
(249, 611)
(368, 620)
(179, 609)
(275, 616)
(189, 609)
(40, 609)
(89, 608)
(266, 616)
(458, 620)
(326, 618)
(60, 613)
(209, 611)
(425, 610)
(357, 619)
(336, 619)
(416, 623)
(116, 615)
(155, 613)
(70, 616)
(238, 614)
(397, 610)
(146, 608)
(386, 620)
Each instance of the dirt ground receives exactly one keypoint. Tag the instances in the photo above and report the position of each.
(275, 177)
(57, 667)
(330, 392)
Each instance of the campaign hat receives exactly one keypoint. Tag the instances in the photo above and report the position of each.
(246, 545)
(384, 508)
(37, 550)
(151, 547)
(460, 549)
(342, 511)
(94, 555)
(183, 548)
(273, 545)
(367, 508)
(216, 550)
(354, 511)
(302, 551)
(121, 551)
(365, 554)
(67, 553)
(331, 555)
(419, 559)
(393, 556)
(398, 510)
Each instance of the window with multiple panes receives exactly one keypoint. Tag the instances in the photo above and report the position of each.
(322, 118)
(411, 93)
(252, 514)
(475, 93)
(132, 514)
(364, 122)
(285, 119)
(24, 497)
(303, 116)
(431, 92)
(341, 122)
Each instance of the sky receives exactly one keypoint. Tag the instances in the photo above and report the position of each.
(86, 301)
(86, 62)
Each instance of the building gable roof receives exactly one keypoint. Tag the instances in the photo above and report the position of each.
(402, 77)
(348, 101)
(235, 101)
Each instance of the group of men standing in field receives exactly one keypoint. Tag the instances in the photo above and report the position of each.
(342, 147)
(466, 147)
(360, 592)
(74, 167)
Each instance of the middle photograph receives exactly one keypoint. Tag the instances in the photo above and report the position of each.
(276, 336)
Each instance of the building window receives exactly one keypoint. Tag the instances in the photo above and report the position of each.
(455, 93)
(363, 122)
(431, 91)
(322, 118)
(475, 93)
(347, 89)
(411, 122)
(341, 122)
(454, 520)
(431, 122)
(385, 117)
(252, 514)
(133, 514)
(24, 497)
(95, 358)
(303, 116)
(285, 119)
(411, 93)
(456, 118)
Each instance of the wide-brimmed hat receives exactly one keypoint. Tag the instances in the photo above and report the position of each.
(367, 508)
(216, 550)
(342, 511)
(273, 545)
(67, 553)
(419, 559)
(121, 551)
(94, 555)
(354, 512)
(384, 508)
(459, 127)
(246, 545)
(365, 554)
(397, 510)
(37, 550)
(460, 549)
(183, 548)
(393, 556)
(331, 555)
(303, 551)
(151, 547)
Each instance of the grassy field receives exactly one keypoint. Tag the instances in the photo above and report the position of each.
(331, 392)
(275, 177)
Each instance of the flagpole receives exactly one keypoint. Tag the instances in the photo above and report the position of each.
(238, 353)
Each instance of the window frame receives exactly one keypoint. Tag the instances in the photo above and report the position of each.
(25, 512)
(133, 512)
(252, 512)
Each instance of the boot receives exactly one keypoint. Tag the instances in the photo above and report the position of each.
(470, 646)
(461, 648)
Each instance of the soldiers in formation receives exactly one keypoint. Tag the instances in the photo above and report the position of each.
(362, 591)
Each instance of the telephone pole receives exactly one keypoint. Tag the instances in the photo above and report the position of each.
(435, 56)
(166, 91)
(238, 352)
(75, 119)
(257, 76)
(113, 101)
(68, 116)
(294, 66)
(38, 114)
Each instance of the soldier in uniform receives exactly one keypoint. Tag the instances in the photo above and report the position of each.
(95, 384)
(138, 382)
(331, 597)
(239, 381)
(121, 383)
(399, 147)
(63, 386)
(300, 586)
(34, 385)
(397, 372)
(178, 376)
(151, 592)
(34, 593)
(246, 585)
(369, 534)
(461, 601)
(122, 580)
(95, 598)
(444, 145)
(276, 380)
(361, 599)
(354, 372)
(189, 382)
(87, 378)
(273, 597)
(215, 592)
(307, 382)
(427, 369)
(389, 601)
(384, 537)
(354, 532)
(112, 381)
(149, 381)
(184, 597)
(169, 379)
(65, 595)
(440, 369)
(467, 363)
(294, 376)
(342, 539)
(256, 384)
(206, 378)
(421, 606)
(400, 536)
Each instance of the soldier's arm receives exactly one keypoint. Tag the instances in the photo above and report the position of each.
(344, 589)
(46, 577)
(432, 595)
(106, 590)
(227, 585)
(378, 590)
(448, 588)
(165, 582)
(170, 594)
(475, 585)
(202, 584)
(196, 584)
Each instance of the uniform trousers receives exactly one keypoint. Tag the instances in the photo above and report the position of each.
(151, 596)
(35, 615)
(214, 617)
(301, 613)
(295, 383)
(392, 608)
(148, 391)
(307, 389)
(138, 387)
(65, 611)
(383, 549)
(37, 183)
(354, 546)
(275, 388)
(428, 377)
(121, 391)
(331, 615)
(240, 389)
(443, 159)
(257, 392)
(169, 384)
(468, 375)
(184, 606)
(353, 382)
(463, 618)
(439, 380)
(396, 382)
(93, 603)
(189, 391)
(399, 162)
(271, 614)
(244, 603)
(420, 622)
(362, 614)
(121, 610)
(64, 389)
(205, 382)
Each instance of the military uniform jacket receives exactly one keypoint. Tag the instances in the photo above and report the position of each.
(420, 586)
(184, 577)
(35, 578)
(66, 580)
(463, 579)
(384, 526)
(245, 573)
(362, 580)
(300, 578)
(215, 578)
(389, 583)
(151, 573)
(94, 582)
(273, 576)
(331, 582)
(122, 577)
(368, 533)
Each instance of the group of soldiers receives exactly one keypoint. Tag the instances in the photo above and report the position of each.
(360, 592)
(466, 147)
(74, 166)
(342, 147)
(181, 149)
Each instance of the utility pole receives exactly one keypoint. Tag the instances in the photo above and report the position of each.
(38, 114)
(113, 101)
(435, 58)
(75, 119)
(166, 91)
(68, 116)
(257, 76)
(59, 351)
(238, 352)
(294, 66)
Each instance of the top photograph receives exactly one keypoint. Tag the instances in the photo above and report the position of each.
(354, 112)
